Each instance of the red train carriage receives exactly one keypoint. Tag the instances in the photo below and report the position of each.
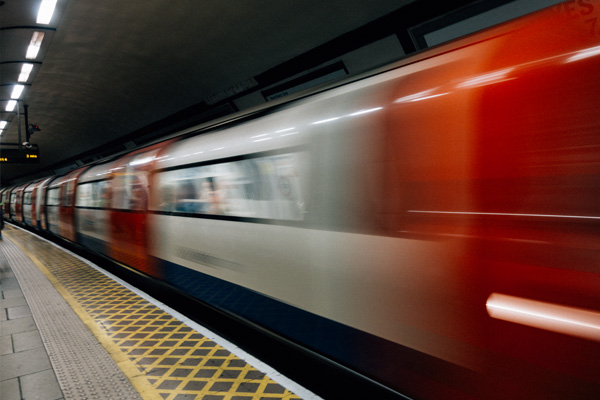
(129, 193)
(29, 204)
(16, 203)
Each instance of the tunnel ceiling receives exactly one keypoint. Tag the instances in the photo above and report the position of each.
(107, 69)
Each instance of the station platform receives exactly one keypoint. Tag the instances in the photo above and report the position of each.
(69, 330)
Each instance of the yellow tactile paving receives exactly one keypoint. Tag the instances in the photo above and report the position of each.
(172, 361)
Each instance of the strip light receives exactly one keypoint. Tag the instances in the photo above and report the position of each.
(46, 11)
(17, 91)
(34, 45)
(25, 71)
(10, 106)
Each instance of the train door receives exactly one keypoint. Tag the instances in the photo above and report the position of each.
(34, 191)
(41, 202)
(66, 210)
(92, 207)
(28, 204)
(17, 210)
(12, 199)
(129, 212)
(52, 206)
(4, 200)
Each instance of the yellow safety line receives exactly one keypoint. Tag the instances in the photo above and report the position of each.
(137, 378)
(149, 386)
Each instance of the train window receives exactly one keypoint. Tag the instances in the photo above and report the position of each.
(93, 195)
(254, 187)
(130, 192)
(13, 205)
(68, 192)
(65, 197)
(27, 198)
(84, 194)
(52, 197)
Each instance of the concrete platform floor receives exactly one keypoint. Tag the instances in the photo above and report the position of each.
(25, 369)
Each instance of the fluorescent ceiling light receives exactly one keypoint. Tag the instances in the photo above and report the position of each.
(11, 105)
(3, 124)
(46, 11)
(34, 45)
(17, 91)
(25, 71)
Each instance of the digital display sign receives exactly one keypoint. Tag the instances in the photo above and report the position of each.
(23, 156)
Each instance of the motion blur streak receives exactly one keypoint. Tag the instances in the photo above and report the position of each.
(551, 317)
(507, 214)
(427, 94)
(591, 52)
(488, 79)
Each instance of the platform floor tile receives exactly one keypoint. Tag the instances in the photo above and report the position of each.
(177, 362)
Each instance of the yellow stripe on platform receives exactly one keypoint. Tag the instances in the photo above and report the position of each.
(163, 357)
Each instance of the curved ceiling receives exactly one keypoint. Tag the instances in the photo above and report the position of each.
(109, 68)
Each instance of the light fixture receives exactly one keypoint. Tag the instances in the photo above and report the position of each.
(46, 11)
(34, 45)
(17, 91)
(10, 106)
(25, 71)
(3, 124)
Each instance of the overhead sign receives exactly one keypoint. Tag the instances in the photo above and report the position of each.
(23, 156)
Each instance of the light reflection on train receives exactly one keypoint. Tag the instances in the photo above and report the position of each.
(434, 226)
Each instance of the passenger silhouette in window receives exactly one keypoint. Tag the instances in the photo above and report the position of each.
(139, 197)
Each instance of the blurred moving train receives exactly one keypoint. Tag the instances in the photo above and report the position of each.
(434, 226)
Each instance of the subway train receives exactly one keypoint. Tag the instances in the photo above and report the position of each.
(433, 225)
